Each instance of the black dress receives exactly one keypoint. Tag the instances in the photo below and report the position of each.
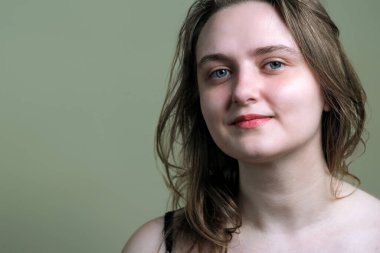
(168, 235)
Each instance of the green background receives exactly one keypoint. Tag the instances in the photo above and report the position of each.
(81, 86)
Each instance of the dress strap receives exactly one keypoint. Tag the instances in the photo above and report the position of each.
(168, 233)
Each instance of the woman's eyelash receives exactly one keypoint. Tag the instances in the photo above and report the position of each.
(224, 72)
(274, 65)
(219, 73)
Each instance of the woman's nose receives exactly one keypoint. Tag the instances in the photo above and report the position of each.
(246, 88)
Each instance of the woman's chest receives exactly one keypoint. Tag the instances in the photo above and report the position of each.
(326, 242)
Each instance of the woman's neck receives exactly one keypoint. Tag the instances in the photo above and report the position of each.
(286, 195)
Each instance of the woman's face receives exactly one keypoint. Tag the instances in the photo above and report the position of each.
(258, 96)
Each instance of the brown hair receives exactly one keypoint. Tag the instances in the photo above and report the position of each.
(204, 180)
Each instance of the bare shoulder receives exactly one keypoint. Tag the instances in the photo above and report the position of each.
(366, 204)
(147, 239)
(356, 220)
(364, 212)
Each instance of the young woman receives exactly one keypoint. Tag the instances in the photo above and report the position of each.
(263, 111)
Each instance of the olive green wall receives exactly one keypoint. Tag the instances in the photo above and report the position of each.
(81, 85)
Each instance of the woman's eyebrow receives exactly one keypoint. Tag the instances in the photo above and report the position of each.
(211, 57)
(257, 52)
(274, 48)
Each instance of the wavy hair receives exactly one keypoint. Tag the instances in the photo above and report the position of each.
(204, 181)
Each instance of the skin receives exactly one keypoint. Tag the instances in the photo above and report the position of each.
(276, 84)
(248, 63)
(239, 75)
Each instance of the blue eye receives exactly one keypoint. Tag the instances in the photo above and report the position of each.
(275, 65)
(220, 73)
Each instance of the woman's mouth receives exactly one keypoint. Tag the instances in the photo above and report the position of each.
(251, 120)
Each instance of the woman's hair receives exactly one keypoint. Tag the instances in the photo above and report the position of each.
(203, 179)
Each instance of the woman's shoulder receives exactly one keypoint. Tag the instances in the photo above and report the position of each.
(363, 212)
(366, 221)
(360, 203)
(147, 239)
(366, 203)
(369, 207)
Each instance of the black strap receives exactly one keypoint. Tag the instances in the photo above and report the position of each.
(168, 233)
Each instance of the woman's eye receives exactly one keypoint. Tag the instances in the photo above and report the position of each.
(220, 73)
(274, 65)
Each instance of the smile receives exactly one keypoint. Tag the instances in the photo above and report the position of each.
(251, 120)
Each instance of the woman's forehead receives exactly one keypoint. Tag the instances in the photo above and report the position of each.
(248, 24)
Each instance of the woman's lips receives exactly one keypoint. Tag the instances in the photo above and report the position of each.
(251, 120)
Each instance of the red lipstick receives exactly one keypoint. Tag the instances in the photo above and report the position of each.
(251, 120)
